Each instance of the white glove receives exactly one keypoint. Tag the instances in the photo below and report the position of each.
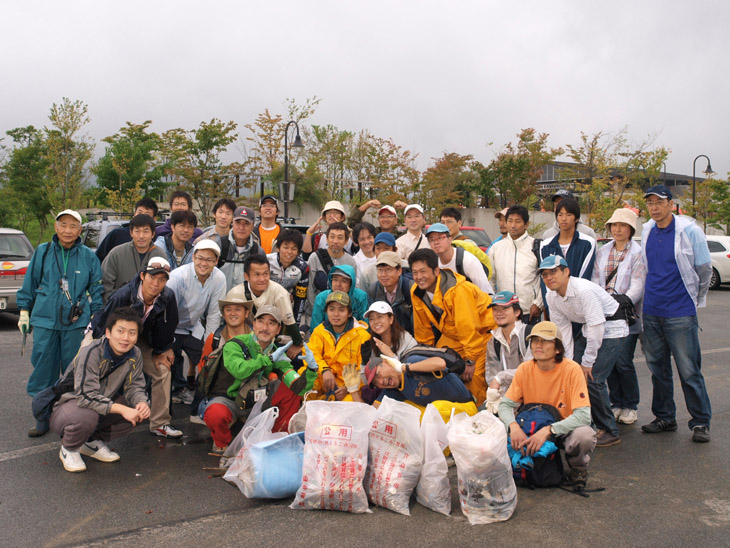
(395, 362)
(24, 321)
(493, 399)
(280, 353)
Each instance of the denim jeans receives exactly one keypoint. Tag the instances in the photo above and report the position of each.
(194, 349)
(597, 389)
(666, 337)
(623, 385)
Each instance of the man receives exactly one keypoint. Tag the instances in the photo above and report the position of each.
(267, 229)
(245, 356)
(223, 216)
(61, 291)
(551, 232)
(457, 259)
(451, 217)
(341, 278)
(179, 201)
(239, 245)
(126, 260)
(507, 348)
(413, 238)
(678, 277)
(332, 212)
(384, 241)
(197, 287)
(323, 260)
(289, 270)
(501, 217)
(259, 287)
(550, 378)
(597, 345)
(450, 311)
(121, 235)
(393, 288)
(335, 344)
(387, 215)
(514, 261)
(155, 303)
(177, 244)
(107, 398)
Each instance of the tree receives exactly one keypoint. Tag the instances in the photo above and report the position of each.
(720, 199)
(67, 152)
(449, 181)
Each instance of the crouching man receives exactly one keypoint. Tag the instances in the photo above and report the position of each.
(108, 397)
(551, 379)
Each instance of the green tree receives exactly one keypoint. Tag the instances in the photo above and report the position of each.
(720, 198)
(449, 181)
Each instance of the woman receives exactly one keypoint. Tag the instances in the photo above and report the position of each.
(388, 338)
(364, 236)
(620, 270)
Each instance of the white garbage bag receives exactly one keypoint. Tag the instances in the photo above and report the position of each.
(272, 469)
(434, 488)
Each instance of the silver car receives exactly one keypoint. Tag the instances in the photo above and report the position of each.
(15, 254)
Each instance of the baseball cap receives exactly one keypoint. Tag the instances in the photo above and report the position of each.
(207, 244)
(269, 310)
(388, 208)
(546, 330)
(502, 213)
(504, 298)
(552, 261)
(243, 212)
(385, 238)
(157, 265)
(388, 258)
(338, 297)
(412, 206)
(237, 295)
(333, 204)
(268, 197)
(659, 190)
(75, 214)
(368, 371)
(437, 227)
(562, 193)
(381, 307)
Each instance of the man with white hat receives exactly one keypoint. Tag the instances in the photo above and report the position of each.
(332, 212)
(240, 244)
(413, 238)
(393, 288)
(501, 217)
(54, 302)
(198, 286)
(387, 215)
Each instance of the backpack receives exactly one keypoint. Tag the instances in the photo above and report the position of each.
(321, 279)
(462, 247)
(536, 243)
(498, 345)
(547, 471)
(454, 362)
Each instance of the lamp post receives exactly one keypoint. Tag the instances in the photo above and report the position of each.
(707, 171)
(297, 144)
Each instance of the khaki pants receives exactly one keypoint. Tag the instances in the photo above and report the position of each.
(159, 390)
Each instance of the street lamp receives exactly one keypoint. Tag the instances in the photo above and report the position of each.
(287, 196)
(707, 172)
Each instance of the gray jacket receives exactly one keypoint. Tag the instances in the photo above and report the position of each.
(122, 264)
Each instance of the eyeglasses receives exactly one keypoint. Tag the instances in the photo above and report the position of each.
(655, 203)
(205, 259)
(437, 238)
(449, 221)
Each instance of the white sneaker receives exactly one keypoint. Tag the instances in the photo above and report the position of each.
(628, 416)
(616, 412)
(197, 419)
(71, 460)
(168, 431)
(99, 450)
(185, 396)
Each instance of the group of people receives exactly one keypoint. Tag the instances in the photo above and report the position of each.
(354, 312)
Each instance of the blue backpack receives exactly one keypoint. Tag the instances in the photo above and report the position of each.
(547, 471)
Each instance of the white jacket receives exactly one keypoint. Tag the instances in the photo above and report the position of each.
(515, 269)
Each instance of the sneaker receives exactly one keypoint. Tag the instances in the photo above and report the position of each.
(197, 419)
(606, 439)
(659, 425)
(71, 460)
(185, 396)
(576, 478)
(218, 450)
(701, 434)
(98, 450)
(616, 412)
(628, 416)
(168, 431)
(40, 429)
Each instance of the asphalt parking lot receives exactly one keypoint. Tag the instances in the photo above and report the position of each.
(661, 490)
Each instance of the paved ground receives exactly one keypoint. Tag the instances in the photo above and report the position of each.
(661, 490)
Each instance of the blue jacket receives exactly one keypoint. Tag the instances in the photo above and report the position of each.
(165, 243)
(41, 292)
(402, 306)
(358, 298)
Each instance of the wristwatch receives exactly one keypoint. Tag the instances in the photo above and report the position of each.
(552, 431)
(469, 363)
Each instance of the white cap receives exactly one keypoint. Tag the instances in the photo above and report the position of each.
(334, 204)
(387, 208)
(381, 307)
(75, 214)
(207, 244)
(412, 206)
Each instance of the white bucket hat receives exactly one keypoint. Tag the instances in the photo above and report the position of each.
(623, 215)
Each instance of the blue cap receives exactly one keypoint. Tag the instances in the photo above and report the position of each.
(437, 227)
(553, 261)
(385, 238)
(659, 190)
(504, 298)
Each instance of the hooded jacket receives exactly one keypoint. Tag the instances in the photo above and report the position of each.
(334, 353)
(358, 298)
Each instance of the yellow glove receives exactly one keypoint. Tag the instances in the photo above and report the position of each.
(351, 376)
(24, 322)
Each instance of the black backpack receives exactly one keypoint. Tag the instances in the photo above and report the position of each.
(547, 471)
(454, 362)
(498, 345)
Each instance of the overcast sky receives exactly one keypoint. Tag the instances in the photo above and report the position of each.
(434, 76)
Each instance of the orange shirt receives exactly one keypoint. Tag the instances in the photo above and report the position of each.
(564, 387)
(267, 237)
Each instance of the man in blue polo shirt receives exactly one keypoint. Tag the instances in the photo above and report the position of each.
(677, 281)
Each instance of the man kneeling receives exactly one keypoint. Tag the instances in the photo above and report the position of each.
(551, 379)
(108, 397)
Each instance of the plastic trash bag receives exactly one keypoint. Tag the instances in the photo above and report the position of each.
(395, 455)
(434, 488)
(335, 457)
(487, 490)
(272, 469)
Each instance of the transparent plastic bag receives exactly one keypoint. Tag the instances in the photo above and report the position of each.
(272, 469)
(487, 490)
(395, 455)
(335, 457)
(434, 488)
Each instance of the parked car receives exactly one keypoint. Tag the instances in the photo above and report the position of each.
(720, 255)
(96, 229)
(15, 254)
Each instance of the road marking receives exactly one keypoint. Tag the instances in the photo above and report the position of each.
(10, 455)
